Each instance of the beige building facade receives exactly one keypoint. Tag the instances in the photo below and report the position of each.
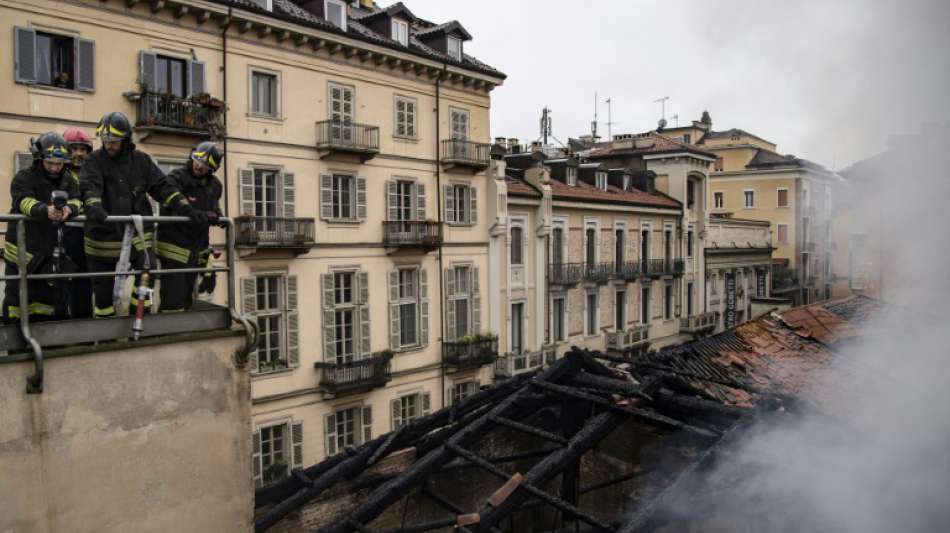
(356, 157)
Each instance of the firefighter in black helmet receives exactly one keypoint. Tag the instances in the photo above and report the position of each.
(32, 193)
(117, 179)
(186, 245)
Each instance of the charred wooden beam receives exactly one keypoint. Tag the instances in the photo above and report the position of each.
(358, 526)
(427, 526)
(609, 384)
(525, 428)
(533, 454)
(698, 405)
(613, 481)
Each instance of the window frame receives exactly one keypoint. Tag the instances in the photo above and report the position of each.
(778, 198)
(591, 321)
(558, 320)
(521, 305)
(600, 179)
(251, 100)
(719, 200)
(620, 309)
(571, 175)
(668, 301)
(778, 233)
(326, 13)
(336, 205)
(516, 246)
(280, 313)
(411, 126)
(414, 300)
(462, 292)
(458, 390)
(400, 37)
(746, 195)
(463, 207)
(449, 39)
(285, 451)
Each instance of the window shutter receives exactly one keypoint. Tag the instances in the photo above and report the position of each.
(293, 328)
(473, 205)
(394, 309)
(362, 280)
(289, 209)
(329, 433)
(476, 303)
(448, 397)
(256, 458)
(249, 297)
(296, 433)
(396, 408)
(449, 194)
(392, 200)
(450, 304)
(196, 77)
(367, 419)
(85, 66)
(25, 54)
(147, 67)
(246, 177)
(326, 196)
(420, 201)
(423, 307)
(360, 198)
(411, 118)
(22, 160)
(426, 403)
(329, 319)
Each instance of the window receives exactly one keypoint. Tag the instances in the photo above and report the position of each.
(668, 301)
(341, 101)
(689, 299)
(401, 32)
(344, 318)
(264, 94)
(686, 138)
(645, 305)
(601, 180)
(782, 230)
(782, 197)
(590, 246)
(269, 324)
(749, 198)
(517, 328)
(557, 319)
(342, 201)
(619, 246)
(462, 301)
(463, 390)
(454, 47)
(689, 243)
(459, 123)
(517, 245)
(668, 245)
(277, 449)
(557, 245)
(590, 322)
(645, 245)
(405, 117)
(335, 13)
(690, 194)
(170, 76)
(404, 197)
(347, 427)
(620, 309)
(571, 176)
(408, 307)
(409, 407)
(460, 204)
(719, 165)
(343, 198)
(346, 331)
(718, 200)
(54, 60)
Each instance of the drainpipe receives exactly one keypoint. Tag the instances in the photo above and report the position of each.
(438, 208)
(224, 96)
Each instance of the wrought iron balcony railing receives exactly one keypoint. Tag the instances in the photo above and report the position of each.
(700, 322)
(274, 232)
(372, 372)
(629, 270)
(598, 272)
(190, 115)
(628, 339)
(565, 273)
(335, 136)
(464, 153)
(512, 364)
(412, 233)
(467, 352)
(661, 267)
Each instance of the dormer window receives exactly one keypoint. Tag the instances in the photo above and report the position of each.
(401, 32)
(335, 13)
(601, 179)
(572, 176)
(454, 47)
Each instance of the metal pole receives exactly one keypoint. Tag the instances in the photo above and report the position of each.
(34, 383)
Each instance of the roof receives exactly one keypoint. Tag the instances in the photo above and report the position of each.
(768, 159)
(446, 28)
(660, 144)
(585, 192)
(396, 9)
(519, 187)
(730, 133)
(289, 11)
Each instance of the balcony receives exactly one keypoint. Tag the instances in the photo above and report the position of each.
(631, 339)
(426, 235)
(511, 364)
(565, 274)
(628, 270)
(470, 351)
(698, 323)
(662, 267)
(465, 155)
(355, 376)
(294, 234)
(598, 272)
(347, 140)
(201, 115)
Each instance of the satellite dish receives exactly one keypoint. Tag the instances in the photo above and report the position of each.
(661, 125)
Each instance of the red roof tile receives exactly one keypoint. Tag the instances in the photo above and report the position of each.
(584, 191)
(517, 187)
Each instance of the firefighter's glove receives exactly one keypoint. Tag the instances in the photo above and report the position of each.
(40, 210)
(95, 213)
(198, 218)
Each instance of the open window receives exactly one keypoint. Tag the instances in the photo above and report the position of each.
(54, 60)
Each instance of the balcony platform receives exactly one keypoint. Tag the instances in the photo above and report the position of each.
(338, 379)
(294, 235)
(463, 355)
(565, 274)
(411, 236)
(510, 364)
(629, 341)
(347, 141)
(172, 115)
(701, 323)
(467, 156)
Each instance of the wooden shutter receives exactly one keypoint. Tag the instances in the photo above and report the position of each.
(249, 298)
(362, 280)
(329, 433)
(360, 198)
(395, 406)
(423, 307)
(450, 304)
(367, 419)
(476, 303)
(420, 201)
(246, 177)
(22, 160)
(24, 54)
(147, 70)
(85, 65)
(293, 327)
(392, 200)
(394, 309)
(256, 458)
(196, 77)
(289, 209)
(449, 193)
(326, 196)
(329, 319)
(296, 434)
(448, 396)
(472, 205)
(426, 403)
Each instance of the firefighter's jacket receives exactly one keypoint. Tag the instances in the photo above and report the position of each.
(31, 187)
(179, 241)
(122, 187)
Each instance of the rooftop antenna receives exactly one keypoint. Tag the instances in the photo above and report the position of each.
(593, 125)
(610, 133)
(662, 102)
(545, 124)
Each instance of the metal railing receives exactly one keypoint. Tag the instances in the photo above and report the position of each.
(186, 113)
(660, 267)
(347, 136)
(470, 352)
(372, 371)
(412, 233)
(461, 151)
(629, 270)
(274, 231)
(628, 339)
(598, 272)
(511, 364)
(690, 324)
(565, 273)
(35, 381)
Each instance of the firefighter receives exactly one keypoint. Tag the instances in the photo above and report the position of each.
(186, 245)
(32, 194)
(80, 292)
(117, 179)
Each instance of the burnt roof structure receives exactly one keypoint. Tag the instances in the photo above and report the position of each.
(592, 442)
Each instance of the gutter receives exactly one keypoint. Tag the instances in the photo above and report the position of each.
(224, 96)
(438, 208)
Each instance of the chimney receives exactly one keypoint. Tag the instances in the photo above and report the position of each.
(366, 4)
(536, 146)
(501, 141)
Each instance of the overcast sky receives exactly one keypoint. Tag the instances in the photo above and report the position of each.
(827, 80)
